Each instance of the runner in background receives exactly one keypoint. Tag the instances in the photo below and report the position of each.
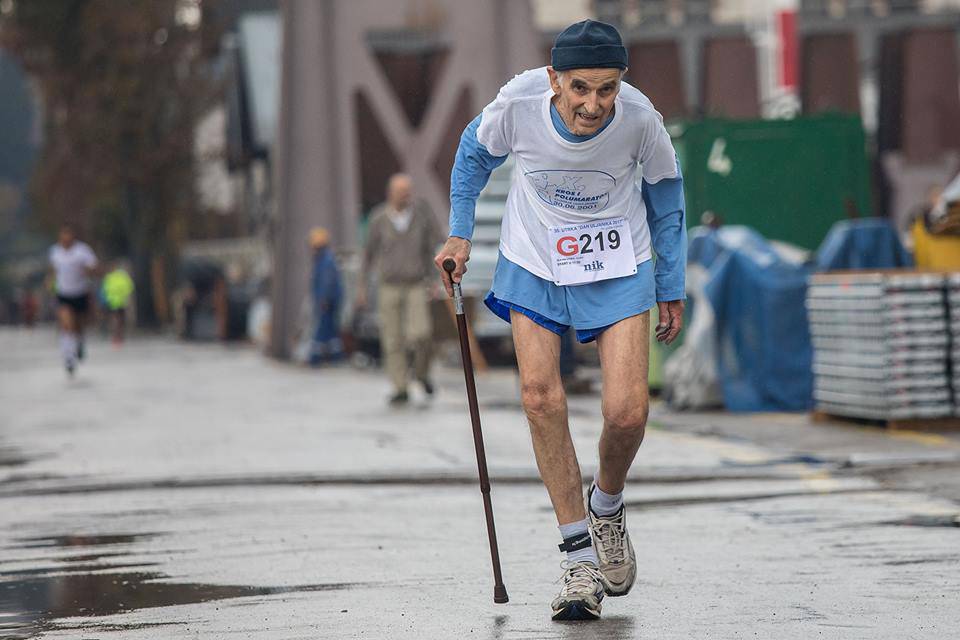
(116, 290)
(73, 263)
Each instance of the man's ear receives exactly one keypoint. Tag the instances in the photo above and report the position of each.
(554, 80)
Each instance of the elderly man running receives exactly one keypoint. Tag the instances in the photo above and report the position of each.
(575, 251)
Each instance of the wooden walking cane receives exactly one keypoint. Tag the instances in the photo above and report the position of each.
(499, 591)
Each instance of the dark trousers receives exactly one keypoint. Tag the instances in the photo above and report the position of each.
(326, 337)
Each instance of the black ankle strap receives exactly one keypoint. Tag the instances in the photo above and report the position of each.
(577, 542)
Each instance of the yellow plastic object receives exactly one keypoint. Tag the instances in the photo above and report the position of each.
(937, 252)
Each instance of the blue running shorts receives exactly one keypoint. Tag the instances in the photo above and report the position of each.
(588, 308)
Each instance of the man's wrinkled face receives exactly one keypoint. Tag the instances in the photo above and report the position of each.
(584, 97)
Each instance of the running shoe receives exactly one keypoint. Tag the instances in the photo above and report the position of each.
(581, 594)
(618, 562)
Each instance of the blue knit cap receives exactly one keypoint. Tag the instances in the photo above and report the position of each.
(588, 45)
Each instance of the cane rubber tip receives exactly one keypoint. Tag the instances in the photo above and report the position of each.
(500, 595)
(449, 265)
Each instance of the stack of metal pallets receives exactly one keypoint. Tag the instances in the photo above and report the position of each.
(881, 345)
(953, 305)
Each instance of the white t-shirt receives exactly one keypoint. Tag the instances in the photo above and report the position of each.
(556, 182)
(71, 267)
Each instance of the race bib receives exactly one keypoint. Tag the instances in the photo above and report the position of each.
(592, 251)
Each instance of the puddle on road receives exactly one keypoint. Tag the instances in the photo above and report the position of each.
(29, 605)
(800, 459)
(32, 599)
(948, 559)
(945, 520)
(80, 540)
(615, 627)
(7, 575)
(12, 457)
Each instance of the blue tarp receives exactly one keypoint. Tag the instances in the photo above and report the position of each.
(765, 354)
(757, 297)
(867, 243)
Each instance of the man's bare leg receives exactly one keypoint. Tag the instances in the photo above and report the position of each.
(544, 401)
(68, 321)
(538, 356)
(66, 318)
(623, 358)
(79, 321)
(624, 350)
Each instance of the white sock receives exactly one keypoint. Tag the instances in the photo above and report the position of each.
(604, 504)
(575, 531)
(68, 346)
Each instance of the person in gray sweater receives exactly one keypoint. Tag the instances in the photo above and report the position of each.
(402, 238)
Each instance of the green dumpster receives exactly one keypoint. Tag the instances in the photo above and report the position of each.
(788, 179)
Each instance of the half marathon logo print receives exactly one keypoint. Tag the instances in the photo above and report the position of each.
(583, 191)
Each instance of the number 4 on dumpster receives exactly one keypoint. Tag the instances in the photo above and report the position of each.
(718, 160)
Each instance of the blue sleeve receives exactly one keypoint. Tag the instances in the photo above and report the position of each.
(668, 232)
(471, 170)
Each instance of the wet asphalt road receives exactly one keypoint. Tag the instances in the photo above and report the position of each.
(175, 491)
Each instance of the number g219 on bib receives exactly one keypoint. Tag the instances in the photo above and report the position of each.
(592, 251)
